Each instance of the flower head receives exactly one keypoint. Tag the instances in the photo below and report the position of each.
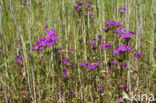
(122, 10)
(64, 73)
(19, 59)
(138, 54)
(106, 45)
(120, 99)
(87, 4)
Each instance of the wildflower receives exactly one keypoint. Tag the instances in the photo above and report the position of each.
(138, 54)
(46, 41)
(84, 64)
(106, 45)
(87, 4)
(112, 23)
(154, 49)
(64, 62)
(93, 41)
(89, 12)
(120, 99)
(19, 59)
(124, 87)
(72, 93)
(64, 73)
(78, 8)
(56, 91)
(120, 31)
(94, 47)
(122, 48)
(99, 37)
(99, 86)
(106, 30)
(124, 65)
(69, 51)
(122, 10)
(126, 35)
(92, 66)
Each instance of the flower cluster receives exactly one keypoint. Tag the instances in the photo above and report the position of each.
(46, 41)
(79, 7)
(122, 49)
(90, 66)
(19, 59)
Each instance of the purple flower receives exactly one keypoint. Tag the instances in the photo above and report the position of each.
(126, 35)
(116, 68)
(99, 85)
(72, 93)
(154, 49)
(124, 87)
(113, 23)
(69, 51)
(122, 48)
(94, 47)
(120, 99)
(84, 64)
(93, 41)
(65, 61)
(120, 31)
(19, 59)
(106, 30)
(92, 66)
(87, 4)
(46, 41)
(106, 45)
(56, 91)
(99, 37)
(89, 12)
(78, 8)
(124, 65)
(138, 54)
(64, 73)
(122, 10)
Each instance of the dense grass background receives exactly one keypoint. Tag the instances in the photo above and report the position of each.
(38, 75)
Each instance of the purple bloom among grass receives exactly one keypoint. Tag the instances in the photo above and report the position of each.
(64, 62)
(89, 12)
(122, 48)
(122, 10)
(19, 59)
(138, 54)
(94, 47)
(124, 65)
(92, 66)
(126, 35)
(120, 99)
(93, 41)
(120, 31)
(106, 45)
(106, 30)
(87, 4)
(46, 41)
(64, 73)
(112, 23)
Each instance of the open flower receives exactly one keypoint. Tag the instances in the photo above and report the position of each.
(138, 54)
(19, 59)
(122, 10)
